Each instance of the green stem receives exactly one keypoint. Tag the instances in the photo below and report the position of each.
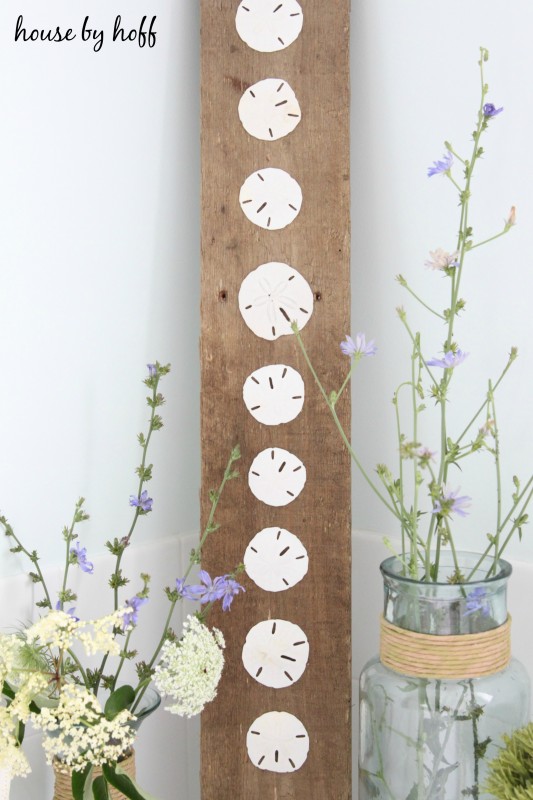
(491, 239)
(331, 405)
(405, 285)
(512, 357)
(31, 556)
(210, 527)
(498, 474)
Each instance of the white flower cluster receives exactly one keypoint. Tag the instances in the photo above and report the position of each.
(27, 685)
(190, 670)
(59, 629)
(12, 759)
(77, 733)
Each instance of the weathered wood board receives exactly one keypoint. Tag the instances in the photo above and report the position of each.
(316, 244)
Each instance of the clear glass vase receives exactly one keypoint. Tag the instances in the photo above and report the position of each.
(431, 738)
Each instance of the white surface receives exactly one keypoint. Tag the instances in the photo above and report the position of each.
(269, 25)
(276, 560)
(276, 477)
(5, 784)
(272, 296)
(278, 742)
(274, 394)
(269, 109)
(271, 198)
(275, 653)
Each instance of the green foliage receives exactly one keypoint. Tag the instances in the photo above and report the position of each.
(511, 772)
(120, 699)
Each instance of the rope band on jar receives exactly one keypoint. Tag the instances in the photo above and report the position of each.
(469, 655)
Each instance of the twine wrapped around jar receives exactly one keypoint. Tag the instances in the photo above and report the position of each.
(63, 780)
(440, 657)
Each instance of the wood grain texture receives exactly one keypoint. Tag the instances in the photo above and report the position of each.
(317, 245)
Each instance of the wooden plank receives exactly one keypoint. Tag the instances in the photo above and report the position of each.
(316, 65)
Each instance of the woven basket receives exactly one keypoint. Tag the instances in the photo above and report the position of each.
(63, 785)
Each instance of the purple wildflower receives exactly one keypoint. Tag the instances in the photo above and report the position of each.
(359, 347)
(207, 591)
(451, 359)
(490, 110)
(80, 554)
(152, 370)
(224, 588)
(131, 617)
(476, 601)
(425, 455)
(449, 503)
(231, 589)
(441, 166)
(143, 502)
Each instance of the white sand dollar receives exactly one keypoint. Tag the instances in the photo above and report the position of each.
(269, 25)
(277, 741)
(274, 394)
(271, 198)
(276, 477)
(269, 109)
(275, 653)
(276, 560)
(273, 296)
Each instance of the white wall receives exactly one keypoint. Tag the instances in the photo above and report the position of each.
(99, 257)
(99, 264)
(415, 84)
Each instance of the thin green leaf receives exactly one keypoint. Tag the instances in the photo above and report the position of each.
(120, 699)
(118, 778)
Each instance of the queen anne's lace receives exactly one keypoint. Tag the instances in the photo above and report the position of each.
(190, 670)
(77, 733)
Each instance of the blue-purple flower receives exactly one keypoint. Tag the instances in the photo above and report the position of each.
(450, 503)
(152, 370)
(358, 347)
(131, 617)
(230, 590)
(450, 360)
(210, 590)
(80, 554)
(490, 110)
(143, 502)
(476, 601)
(441, 166)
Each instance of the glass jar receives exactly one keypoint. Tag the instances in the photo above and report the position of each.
(425, 737)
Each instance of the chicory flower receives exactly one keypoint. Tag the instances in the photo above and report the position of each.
(442, 166)
(143, 502)
(451, 359)
(358, 347)
(80, 555)
(449, 503)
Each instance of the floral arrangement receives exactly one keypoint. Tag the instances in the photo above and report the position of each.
(511, 772)
(422, 496)
(87, 715)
